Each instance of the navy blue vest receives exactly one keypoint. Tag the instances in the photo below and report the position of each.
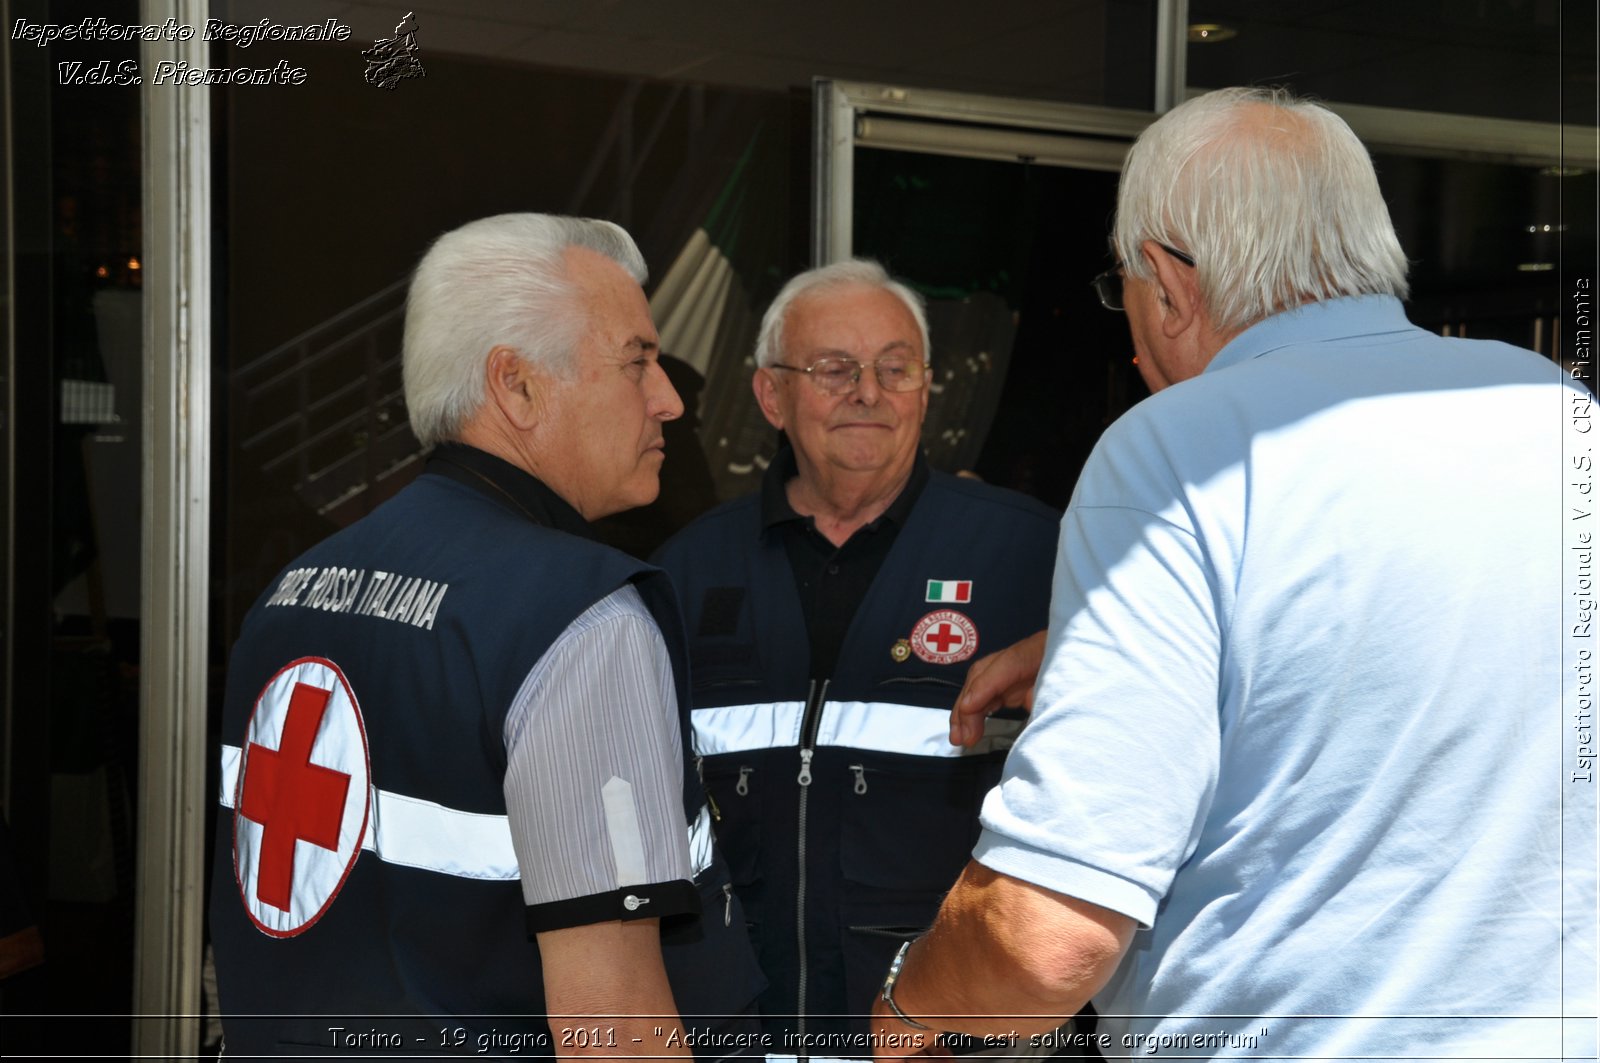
(844, 812)
(434, 609)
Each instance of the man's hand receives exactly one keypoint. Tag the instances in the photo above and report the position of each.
(994, 682)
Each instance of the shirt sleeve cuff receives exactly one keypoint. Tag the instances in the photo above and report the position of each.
(656, 901)
(1066, 875)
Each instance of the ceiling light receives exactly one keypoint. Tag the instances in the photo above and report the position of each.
(1210, 33)
(1547, 228)
(1558, 171)
(1535, 267)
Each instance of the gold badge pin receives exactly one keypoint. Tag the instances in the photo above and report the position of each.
(900, 651)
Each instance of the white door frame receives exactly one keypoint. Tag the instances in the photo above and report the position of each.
(175, 541)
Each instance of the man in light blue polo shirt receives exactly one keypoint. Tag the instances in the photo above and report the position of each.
(1304, 773)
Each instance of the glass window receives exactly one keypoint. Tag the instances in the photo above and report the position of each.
(1497, 58)
(1078, 51)
(1028, 368)
(317, 429)
(1487, 243)
(75, 376)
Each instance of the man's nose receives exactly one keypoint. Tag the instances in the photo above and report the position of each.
(665, 405)
(867, 390)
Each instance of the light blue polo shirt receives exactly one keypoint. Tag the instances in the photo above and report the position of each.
(1302, 713)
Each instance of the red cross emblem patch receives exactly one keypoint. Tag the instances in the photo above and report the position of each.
(300, 812)
(944, 636)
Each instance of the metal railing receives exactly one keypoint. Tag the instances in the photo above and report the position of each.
(326, 410)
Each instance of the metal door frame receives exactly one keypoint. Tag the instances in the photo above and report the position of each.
(175, 546)
(852, 114)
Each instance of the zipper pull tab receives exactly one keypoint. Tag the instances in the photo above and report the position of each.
(805, 767)
(727, 905)
(861, 777)
(742, 787)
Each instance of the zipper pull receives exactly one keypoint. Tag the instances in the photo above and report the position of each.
(727, 904)
(742, 787)
(805, 767)
(711, 802)
(861, 777)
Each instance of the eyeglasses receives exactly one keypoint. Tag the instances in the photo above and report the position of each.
(1108, 284)
(839, 376)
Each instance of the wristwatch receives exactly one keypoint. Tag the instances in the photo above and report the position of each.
(888, 989)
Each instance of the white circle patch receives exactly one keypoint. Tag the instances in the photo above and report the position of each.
(944, 636)
(300, 812)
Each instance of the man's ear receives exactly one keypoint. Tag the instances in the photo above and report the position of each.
(765, 385)
(1177, 289)
(515, 387)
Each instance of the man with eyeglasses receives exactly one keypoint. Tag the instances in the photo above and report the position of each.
(1301, 779)
(1107, 284)
(832, 618)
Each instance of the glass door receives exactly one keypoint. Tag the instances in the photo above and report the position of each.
(999, 210)
(74, 440)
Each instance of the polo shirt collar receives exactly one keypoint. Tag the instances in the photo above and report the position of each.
(775, 507)
(505, 483)
(1346, 317)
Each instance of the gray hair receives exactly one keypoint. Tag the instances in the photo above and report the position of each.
(1278, 208)
(498, 281)
(852, 273)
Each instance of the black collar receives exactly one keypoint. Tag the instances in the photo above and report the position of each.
(775, 507)
(502, 481)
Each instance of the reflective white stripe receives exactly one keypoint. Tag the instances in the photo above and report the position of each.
(735, 728)
(429, 836)
(881, 726)
(407, 831)
(701, 845)
(421, 834)
(885, 727)
(230, 774)
(622, 824)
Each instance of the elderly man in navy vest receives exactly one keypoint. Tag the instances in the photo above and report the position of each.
(1298, 782)
(454, 762)
(832, 618)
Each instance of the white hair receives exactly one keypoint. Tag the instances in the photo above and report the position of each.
(499, 281)
(852, 273)
(1275, 199)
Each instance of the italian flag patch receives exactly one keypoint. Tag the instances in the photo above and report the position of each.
(949, 590)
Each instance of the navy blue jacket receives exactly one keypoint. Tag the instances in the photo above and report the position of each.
(427, 615)
(844, 811)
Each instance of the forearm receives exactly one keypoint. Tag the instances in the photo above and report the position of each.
(607, 980)
(1007, 956)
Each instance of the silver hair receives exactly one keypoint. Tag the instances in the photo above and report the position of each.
(852, 273)
(499, 281)
(1277, 208)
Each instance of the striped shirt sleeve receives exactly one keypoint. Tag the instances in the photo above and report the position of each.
(594, 779)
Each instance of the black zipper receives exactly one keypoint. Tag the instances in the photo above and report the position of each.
(816, 694)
